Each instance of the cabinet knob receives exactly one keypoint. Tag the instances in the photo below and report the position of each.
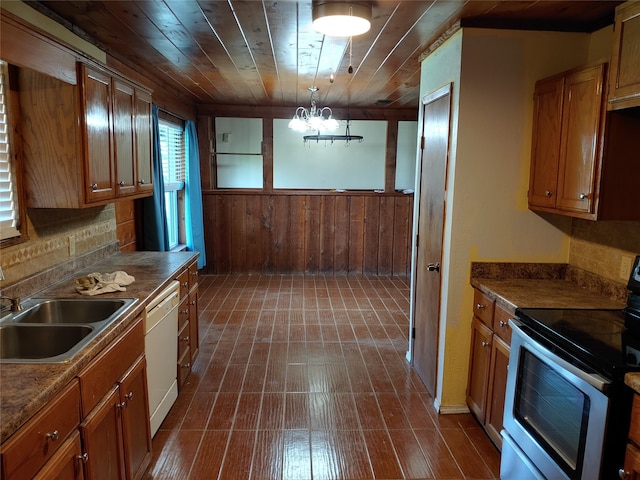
(129, 396)
(480, 306)
(502, 323)
(184, 312)
(485, 344)
(53, 436)
(623, 474)
(121, 405)
(84, 458)
(548, 193)
(94, 186)
(185, 285)
(185, 339)
(141, 181)
(192, 302)
(583, 196)
(121, 183)
(186, 365)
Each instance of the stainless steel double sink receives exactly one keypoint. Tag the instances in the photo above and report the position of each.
(54, 330)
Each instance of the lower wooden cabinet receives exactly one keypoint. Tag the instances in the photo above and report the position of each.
(66, 463)
(631, 468)
(188, 328)
(488, 364)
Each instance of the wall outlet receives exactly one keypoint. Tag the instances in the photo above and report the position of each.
(72, 245)
(626, 263)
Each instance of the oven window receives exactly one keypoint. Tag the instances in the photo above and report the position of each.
(553, 411)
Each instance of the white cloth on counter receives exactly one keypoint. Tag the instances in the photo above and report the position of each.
(97, 283)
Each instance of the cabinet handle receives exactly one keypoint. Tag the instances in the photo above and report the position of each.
(184, 312)
(485, 344)
(186, 365)
(185, 339)
(129, 396)
(480, 306)
(121, 405)
(583, 196)
(94, 186)
(192, 302)
(185, 285)
(548, 193)
(121, 183)
(53, 436)
(623, 474)
(141, 181)
(84, 458)
(502, 323)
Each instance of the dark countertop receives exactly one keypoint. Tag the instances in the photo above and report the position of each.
(26, 387)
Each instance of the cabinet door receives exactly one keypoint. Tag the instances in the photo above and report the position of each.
(123, 110)
(102, 436)
(497, 388)
(631, 469)
(144, 161)
(135, 420)
(66, 464)
(479, 368)
(545, 142)
(624, 81)
(99, 163)
(194, 342)
(580, 141)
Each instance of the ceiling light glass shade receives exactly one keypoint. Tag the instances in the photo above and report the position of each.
(313, 119)
(341, 19)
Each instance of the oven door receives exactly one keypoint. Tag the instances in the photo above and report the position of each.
(555, 411)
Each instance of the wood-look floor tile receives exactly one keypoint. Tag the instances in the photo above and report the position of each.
(486, 449)
(380, 379)
(437, 453)
(465, 454)
(176, 415)
(254, 377)
(296, 464)
(325, 464)
(210, 455)
(268, 455)
(297, 378)
(177, 456)
(353, 455)
(237, 460)
(369, 412)
(412, 460)
(224, 409)
(332, 411)
(296, 411)
(233, 378)
(392, 411)
(272, 411)
(278, 353)
(416, 411)
(381, 454)
(248, 411)
(297, 352)
(198, 412)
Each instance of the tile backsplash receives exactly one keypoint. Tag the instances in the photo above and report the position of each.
(605, 248)
(55, 237)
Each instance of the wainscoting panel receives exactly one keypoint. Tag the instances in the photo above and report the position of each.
(255, 232)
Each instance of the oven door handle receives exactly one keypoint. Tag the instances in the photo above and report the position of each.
(593, 379)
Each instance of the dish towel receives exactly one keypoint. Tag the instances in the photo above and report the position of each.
(97, 283)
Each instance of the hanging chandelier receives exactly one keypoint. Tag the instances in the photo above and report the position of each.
(313, 118)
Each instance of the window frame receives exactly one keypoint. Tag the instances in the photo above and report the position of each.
(12, 105)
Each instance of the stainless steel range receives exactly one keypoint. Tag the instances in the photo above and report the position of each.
(567, 409)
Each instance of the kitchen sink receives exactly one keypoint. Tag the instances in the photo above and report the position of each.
(53, 330)
(29, 342)
(69, 310)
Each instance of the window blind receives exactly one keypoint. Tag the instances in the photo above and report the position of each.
(172, 151)
(8, 195)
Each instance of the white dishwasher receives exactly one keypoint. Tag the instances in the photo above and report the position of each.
(161, 350)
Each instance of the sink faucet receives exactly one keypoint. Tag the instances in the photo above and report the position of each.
(16, 306)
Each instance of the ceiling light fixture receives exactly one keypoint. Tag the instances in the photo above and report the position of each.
(313, 119)
(341, 19)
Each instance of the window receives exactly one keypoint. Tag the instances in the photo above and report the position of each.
(173, 152)
(9, 208)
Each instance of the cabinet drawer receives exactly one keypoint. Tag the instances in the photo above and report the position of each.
(183, 279)
(67, 463)
(634, 429)
(28, 450)
(501, 324)
(110, 365)
(483, 308)
(184, 341)
(183, 312)
(184, 367)
(193, 275)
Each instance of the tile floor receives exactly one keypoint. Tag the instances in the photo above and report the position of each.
(304, 377)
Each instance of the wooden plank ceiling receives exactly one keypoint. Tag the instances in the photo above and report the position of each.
(267, 52)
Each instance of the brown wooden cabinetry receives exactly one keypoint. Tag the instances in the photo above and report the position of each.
(37, 443)
(631, 469)
(66, 463)
(489, 359)
(624, 80)
(116, 430)
(86, 144)
(581, 160)
(188, 337)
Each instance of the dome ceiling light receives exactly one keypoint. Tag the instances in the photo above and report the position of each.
(341, 19)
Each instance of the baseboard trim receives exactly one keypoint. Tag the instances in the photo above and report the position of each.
(450, 409)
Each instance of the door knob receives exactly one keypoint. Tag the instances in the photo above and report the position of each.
(433, 267)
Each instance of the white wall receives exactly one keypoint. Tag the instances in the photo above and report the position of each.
(487, 217)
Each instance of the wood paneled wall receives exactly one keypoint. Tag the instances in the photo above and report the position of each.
(253, 232)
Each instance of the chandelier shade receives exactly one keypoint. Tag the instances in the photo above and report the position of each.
(341, 19)
(313, 118)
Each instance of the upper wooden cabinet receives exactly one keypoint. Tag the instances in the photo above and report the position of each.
(86, 144)
(624, 81)
(582, 159)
